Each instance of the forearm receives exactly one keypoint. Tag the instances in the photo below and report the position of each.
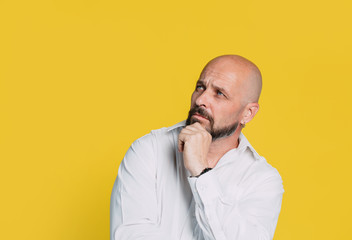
(132, 216)
(221, 216)
(133, 204)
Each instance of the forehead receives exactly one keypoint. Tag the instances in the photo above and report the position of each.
(224, 79)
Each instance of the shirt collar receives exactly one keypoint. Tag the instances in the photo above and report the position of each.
(244, 143)
(180, 124)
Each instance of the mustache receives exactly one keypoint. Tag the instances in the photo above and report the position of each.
(202, 112)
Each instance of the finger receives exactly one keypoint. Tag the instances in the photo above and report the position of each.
(186, 135)
(198, 126)
(192, 128)
(188, 131)
(183, 137)
(181, 140)
(180, 145)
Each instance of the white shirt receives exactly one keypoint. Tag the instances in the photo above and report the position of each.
(154, 197)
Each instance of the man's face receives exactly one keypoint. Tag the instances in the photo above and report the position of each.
(216, 101)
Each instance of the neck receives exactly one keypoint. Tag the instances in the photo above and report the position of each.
(220, 146)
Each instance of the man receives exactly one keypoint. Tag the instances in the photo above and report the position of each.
(201, 179)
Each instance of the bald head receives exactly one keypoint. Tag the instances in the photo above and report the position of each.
(246, 74)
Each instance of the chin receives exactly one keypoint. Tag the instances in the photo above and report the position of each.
(204, 123)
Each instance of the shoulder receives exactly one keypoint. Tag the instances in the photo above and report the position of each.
(258, 169)
(167, 131)
(256, 161)
(158, 136)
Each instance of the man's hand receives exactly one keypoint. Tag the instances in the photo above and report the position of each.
(194, 142)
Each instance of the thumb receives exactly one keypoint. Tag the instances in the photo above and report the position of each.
(180, 145)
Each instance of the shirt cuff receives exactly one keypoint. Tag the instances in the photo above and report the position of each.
(206, 188)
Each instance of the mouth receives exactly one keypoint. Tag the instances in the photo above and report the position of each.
(197, 115)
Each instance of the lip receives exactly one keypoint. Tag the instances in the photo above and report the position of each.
(199, 116)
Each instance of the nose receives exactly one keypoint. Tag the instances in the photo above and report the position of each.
(203, 99)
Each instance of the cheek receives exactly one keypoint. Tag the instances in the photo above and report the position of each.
(193, 99)
(228, 115)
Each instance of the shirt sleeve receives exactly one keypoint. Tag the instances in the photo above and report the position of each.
(251, 212)
(133, 204)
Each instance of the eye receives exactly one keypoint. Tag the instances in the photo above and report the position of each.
(220, 93)
(199, 87)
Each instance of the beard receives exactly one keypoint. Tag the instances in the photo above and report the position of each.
(215, 133)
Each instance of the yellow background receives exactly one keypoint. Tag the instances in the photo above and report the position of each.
(81, 80)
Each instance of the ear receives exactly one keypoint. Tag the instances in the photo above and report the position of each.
(249, 112)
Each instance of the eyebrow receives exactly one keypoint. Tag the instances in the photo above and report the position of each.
(214, 86)
(200, 82)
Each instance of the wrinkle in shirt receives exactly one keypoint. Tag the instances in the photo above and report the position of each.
(154, 196)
